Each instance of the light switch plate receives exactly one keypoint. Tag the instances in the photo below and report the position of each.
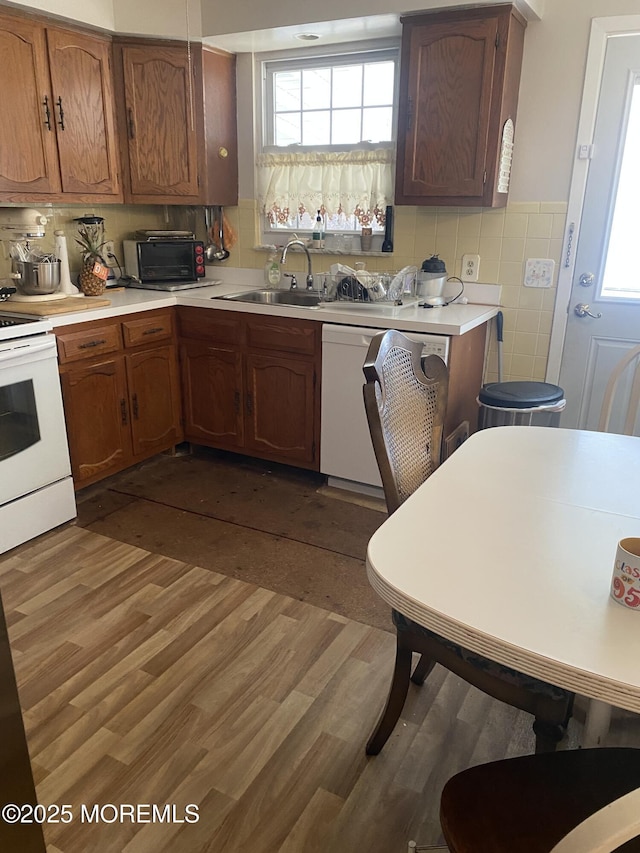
(538, 272)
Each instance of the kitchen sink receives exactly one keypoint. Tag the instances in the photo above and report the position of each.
(295, 298)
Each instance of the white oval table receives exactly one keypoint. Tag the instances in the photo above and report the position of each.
(508, 549)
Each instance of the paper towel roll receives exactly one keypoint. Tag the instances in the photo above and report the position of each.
(66, 285)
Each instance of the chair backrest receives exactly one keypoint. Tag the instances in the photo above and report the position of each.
(611, 388)
(405, 398)
(605, 830)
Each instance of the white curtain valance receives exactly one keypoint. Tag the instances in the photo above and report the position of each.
(356, 183)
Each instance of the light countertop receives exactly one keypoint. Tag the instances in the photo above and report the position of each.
(455, 319)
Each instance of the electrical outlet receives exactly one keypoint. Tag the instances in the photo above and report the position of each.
(470, 267)
(455, 439)
(108, 249)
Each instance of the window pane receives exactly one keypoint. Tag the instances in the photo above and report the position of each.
(378, 83)
(377, 124)
(315, 128)
(286, 90)
(622, 250)
(316, 89)
(346, 129)
(287, 129)
(347, 86)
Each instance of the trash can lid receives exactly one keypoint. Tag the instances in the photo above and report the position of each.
(520, 395)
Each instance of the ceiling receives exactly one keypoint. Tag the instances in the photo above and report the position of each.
(330, 32)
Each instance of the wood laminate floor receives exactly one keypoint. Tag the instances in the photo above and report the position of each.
(146, 679)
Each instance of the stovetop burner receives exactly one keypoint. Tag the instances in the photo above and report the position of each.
(14, 325)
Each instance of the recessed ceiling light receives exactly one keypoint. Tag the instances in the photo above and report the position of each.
(307, 36)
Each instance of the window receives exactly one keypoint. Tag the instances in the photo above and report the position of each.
(621, 249)
(331, 101)
(328, 140)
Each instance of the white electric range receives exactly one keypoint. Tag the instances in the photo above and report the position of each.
(36, 489)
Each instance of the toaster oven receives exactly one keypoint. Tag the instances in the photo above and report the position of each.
(164, 261)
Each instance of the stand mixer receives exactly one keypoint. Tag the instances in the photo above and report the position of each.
(37, 275)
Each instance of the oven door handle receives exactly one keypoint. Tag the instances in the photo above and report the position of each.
(24, 352)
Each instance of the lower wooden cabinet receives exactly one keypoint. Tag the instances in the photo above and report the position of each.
(250, 384)
(121, 406)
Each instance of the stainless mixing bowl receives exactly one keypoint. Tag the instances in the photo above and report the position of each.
(36, 279)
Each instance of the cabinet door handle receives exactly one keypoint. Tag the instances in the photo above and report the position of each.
(249, 404)
(135, 406)
(61, 119)
(123, 411)
(90, 344)
(131, 125)
(236, 402)
(47, 113)
(153, 331)
(409, 113)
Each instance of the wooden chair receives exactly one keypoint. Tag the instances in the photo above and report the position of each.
(611, 388)
(405, 400)
(577, 801)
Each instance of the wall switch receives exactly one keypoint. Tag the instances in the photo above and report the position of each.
(470, 267)
(538, 272)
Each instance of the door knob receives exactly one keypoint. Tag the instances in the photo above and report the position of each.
(582, 310)
(586, 279)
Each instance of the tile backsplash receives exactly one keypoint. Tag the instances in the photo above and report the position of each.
(503, 238)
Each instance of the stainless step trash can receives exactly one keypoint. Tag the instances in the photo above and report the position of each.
(520, 404)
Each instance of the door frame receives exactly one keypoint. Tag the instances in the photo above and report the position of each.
(601, 30)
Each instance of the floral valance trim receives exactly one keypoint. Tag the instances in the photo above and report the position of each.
(355, 183)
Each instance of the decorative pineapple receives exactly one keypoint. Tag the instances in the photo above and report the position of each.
(91, 241)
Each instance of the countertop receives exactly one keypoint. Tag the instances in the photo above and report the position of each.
(453, 319)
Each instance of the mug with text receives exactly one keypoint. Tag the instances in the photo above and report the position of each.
(625, 583)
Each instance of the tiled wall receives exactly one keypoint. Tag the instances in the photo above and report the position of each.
(503, 238)
(120, 222)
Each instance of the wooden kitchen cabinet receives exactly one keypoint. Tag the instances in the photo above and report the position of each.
(61, 143)
(177, 111)
(121, 393)
(250, 384)
(459, 81)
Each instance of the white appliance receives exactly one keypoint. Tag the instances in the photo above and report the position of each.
(36, 489)
(346, 452)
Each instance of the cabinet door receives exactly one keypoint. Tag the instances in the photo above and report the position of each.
(280, 408)
(160, 104)
(84, 112)
(28, 156)
(444, 119)
(97, 416)
(213, 395)
(154, 396)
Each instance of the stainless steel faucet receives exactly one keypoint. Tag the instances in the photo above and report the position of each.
(306, 251)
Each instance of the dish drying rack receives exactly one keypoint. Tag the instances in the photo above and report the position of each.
(368, 287)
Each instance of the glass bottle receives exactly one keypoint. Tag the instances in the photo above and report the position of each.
(318, 233)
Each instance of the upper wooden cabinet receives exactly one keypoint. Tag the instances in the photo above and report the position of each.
(177, 122)
(460, 74)
(57, 139)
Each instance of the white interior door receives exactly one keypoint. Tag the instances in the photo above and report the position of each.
(604, 308)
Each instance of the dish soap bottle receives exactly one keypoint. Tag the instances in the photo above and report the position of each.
(272, 269)
(317, 240)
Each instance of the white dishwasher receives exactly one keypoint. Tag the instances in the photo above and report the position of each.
(346, 452)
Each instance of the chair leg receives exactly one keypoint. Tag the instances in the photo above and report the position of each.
(548, 735)
(395, 700)
(422, 670)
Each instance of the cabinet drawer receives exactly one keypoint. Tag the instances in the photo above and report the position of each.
(220, 327)
(86, 343)
(146, 330)
(282, 334)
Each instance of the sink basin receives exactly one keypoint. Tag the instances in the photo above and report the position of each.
(296, 298)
